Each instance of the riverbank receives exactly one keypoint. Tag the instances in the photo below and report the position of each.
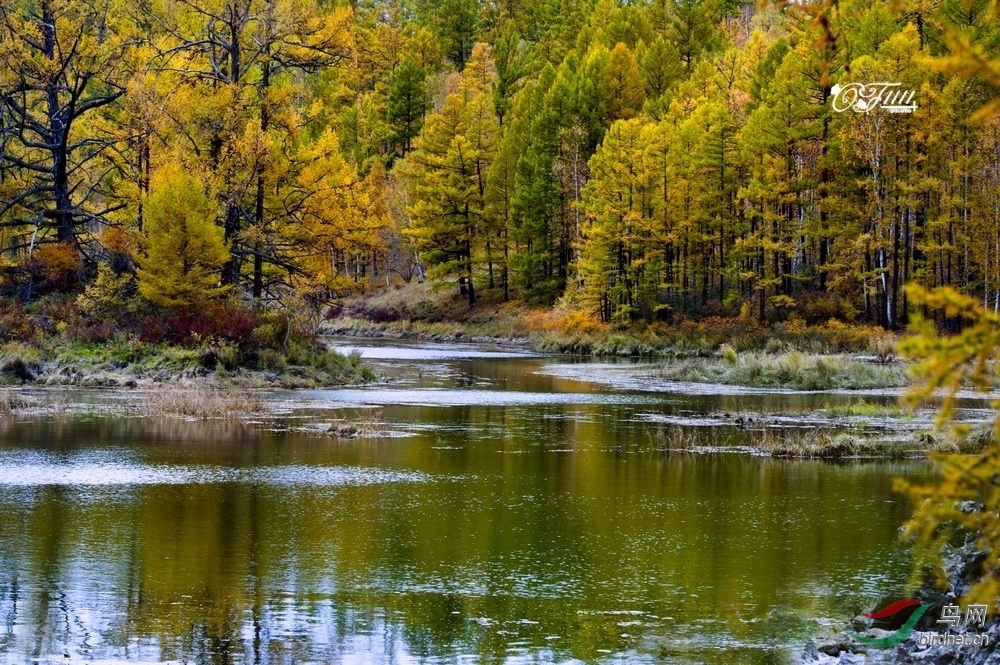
(417, 311)
(729, 351)
(82, 340)
(130, 363)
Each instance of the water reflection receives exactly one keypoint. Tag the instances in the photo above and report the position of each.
(500, 531)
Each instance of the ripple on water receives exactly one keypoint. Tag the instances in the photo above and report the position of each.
(426, 397)
(34, 470)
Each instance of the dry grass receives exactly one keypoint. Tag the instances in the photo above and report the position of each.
(204, 403)
(793, 369)
(825, 445)
(10, 402)
(368, 426)
(820, 443)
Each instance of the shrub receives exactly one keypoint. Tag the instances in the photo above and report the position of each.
(59, 261)
(19, 361)
(214, 353)
(883, 347)
(821, 307)
(216, 320)
(275, 329)
(269, 359)
(14, 323)
(729, 354)
(90, 332)
(109, 294)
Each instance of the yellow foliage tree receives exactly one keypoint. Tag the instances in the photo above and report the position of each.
(184, 246)
(338, 222)
(947, 507)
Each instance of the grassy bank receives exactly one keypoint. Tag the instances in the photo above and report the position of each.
(842, 443)
(64, 339)
(733, 351)
(418, 311)
(128, 362)
(790, 369)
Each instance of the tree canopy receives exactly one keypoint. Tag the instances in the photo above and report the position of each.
(641, 161)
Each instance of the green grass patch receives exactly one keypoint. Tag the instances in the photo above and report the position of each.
(793, 370)
(863, 409)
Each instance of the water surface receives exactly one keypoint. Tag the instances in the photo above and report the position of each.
(517, 516)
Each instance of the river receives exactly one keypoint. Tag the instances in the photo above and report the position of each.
(507, 508)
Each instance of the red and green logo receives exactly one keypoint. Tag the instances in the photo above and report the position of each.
(901, 633)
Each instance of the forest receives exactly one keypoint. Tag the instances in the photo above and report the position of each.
(641, 161)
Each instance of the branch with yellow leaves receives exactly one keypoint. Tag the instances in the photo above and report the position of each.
(947, 510)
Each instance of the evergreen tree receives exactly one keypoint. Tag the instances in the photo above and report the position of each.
(184, 249)
(448, 172)
(408, 102)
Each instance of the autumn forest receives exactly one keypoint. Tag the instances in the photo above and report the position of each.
(637, 161)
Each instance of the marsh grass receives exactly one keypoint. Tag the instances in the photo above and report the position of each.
(863, 409)
(819, 443)
(965, 440)
(11, 402)
(792, 369)
(369, 425)
(203, 403)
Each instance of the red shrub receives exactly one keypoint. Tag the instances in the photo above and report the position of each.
(92, 332)
(226, 322)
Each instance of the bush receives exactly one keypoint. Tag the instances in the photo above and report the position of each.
(19, 361)
(729, 354)
(883, 347)
(18, 368)
(91, 332)
(275, 329)
(58, 262)
(214, 353)
(269, 359)
(821, 307)
(217, 320)
(109, 294)
(14, 323)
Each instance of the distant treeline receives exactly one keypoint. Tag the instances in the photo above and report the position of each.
(641, 161)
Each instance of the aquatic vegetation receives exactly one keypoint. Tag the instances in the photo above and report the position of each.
(843, 445)
(861, 408)
(203, 403)
(793, 369)
(11, 402)
(829, 443)
(368, 425)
